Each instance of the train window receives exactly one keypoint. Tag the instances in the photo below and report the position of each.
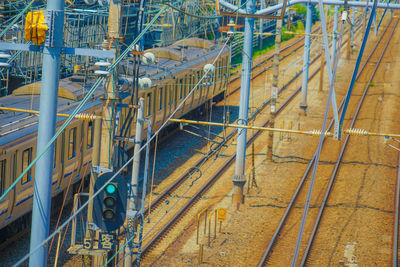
(182, 88)
(160, 96)
(14, 167)
(148, 113)
(3, 166)
(55, 154)
(90, 134)
(26, 160)
(72, 143)
(170, 97)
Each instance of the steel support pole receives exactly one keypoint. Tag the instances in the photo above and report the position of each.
(335, 30)
(274, 88)
(93, 176)
(306, 59)
(260, 44)
(133, 204)
(239, 178)
(349, 43)
(47, 126)
(353, 20)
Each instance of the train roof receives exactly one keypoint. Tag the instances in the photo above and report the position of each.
(182, 55)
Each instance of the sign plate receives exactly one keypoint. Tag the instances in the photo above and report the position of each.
(274, 92)
(221, 214)
(107, 241)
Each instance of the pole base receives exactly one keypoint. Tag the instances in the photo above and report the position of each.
(303, 110)
(238, 199)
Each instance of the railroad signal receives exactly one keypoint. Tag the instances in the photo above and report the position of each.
(110, 202)
(109, 207)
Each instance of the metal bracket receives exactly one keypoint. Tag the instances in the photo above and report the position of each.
(92, 226)
(51, 20)
(100, 169)
(239, 179)
(66, 50)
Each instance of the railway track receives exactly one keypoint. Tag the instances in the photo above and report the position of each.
(151, 242)
(377, 50)
(288, 50)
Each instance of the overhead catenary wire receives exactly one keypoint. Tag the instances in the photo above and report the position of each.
(318, 152)
(130, 160)
(358, 62)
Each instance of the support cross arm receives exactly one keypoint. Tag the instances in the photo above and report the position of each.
(66, 50)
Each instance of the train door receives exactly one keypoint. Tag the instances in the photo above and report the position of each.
(70, 153)
(170, 99)
(4, 184)
(196, 93)
(182, 94)
(148, 110)
(61, 157)
(13, 175)
(79, 148)
(160, 111)
(87, 145)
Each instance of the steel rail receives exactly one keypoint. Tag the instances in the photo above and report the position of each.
(303, 179)
(223, 168)
(188, 172)
(344, 146)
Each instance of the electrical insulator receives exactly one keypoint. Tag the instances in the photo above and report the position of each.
(148, 58)
(144, 83)
(209, 68)
(103, 66)
(4, 57)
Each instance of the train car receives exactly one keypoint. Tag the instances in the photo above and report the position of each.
(178, 68)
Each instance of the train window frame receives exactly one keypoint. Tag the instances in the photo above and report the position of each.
(14, 165)
(148, 104)
(3, 166)
(160, 98)
(181, 87)
(170, 95)
(90, 134)
(72, 142)
(25, 163)
(55, 154)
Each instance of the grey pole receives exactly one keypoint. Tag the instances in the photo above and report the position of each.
(306, 59)
(353, 20)
(274, 87)
(133, 204)
(260, 45)
(239, 179)
(47, 125)
(335, 30)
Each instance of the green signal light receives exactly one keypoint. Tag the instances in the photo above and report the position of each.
(110, 189)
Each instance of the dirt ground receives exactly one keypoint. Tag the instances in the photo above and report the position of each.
(357, 225)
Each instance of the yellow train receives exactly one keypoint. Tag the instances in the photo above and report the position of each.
(178, 68)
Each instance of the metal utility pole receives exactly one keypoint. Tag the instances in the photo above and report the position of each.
(93, 176)
(335, 31)
(108, 124)
(353, 20)
(260, 44)
(306, 59)
(349, 42)
(239, 179)
(47, 126)
(274, 88)
(321, 72)
(133, 204)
